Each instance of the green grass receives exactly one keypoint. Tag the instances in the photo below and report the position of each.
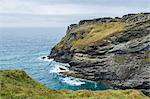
(97, 32)
(93, 33)
(16, 84)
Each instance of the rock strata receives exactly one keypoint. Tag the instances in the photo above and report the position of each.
(120, 60)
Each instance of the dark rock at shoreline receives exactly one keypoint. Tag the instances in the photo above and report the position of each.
(62, 68)
(43, 57)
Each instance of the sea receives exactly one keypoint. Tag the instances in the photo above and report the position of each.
(23, 49)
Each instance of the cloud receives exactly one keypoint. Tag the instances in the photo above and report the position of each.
(53, 13)
(32, 7)
(23, 20)
(24, 7)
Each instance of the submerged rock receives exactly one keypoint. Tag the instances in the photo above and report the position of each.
(62, 68)
(43, 57)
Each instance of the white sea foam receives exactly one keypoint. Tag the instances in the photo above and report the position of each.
(61, 67)
(72, 81)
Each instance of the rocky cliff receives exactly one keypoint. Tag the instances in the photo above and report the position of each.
(112, 51)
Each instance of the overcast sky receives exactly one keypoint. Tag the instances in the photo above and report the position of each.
(60, 13)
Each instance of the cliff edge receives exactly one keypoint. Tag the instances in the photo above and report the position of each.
(16, 84)
(112, 51)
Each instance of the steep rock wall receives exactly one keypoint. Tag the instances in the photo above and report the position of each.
(120, 60)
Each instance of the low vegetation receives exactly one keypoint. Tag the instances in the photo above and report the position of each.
(91, 33)
(16, 84)
(97, 32)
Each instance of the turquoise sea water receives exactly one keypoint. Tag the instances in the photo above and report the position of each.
(22, 48)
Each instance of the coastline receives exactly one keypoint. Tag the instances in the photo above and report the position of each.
(117, 60)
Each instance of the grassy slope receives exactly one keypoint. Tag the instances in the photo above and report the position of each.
(16, 84)
(98, 32)
(93, 33)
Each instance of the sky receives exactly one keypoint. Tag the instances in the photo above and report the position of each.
(61, 13)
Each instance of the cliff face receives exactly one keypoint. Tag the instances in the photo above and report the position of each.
(112, 51)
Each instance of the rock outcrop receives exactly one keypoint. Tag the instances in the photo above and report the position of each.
(112, 51)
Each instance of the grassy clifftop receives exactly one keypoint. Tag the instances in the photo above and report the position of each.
(16, 84)
(97, 32)
(91, 33)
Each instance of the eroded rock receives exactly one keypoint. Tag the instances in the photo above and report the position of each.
(120, 61)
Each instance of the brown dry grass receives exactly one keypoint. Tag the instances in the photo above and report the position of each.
(97, 32)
